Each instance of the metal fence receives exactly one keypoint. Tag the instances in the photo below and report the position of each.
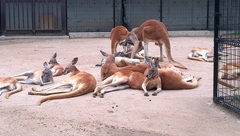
(33, 17)
(227, 54)
(58, 17)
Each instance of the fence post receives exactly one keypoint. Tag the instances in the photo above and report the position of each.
(215, 67)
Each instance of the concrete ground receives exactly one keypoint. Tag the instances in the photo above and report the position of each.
(127, 112)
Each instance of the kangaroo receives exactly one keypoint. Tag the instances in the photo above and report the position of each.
(57, 68)
(120, 60)
(9, 85)
(129, 79)
(201, 54)
(229, 71)
(152, 31)
(109, 67)
(79, 83)
(37, 77)
(117, 35)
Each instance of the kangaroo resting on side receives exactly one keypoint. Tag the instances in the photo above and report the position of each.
(9, 85)
(56, 69)
(229, 71)
(77, 84)
(129, 79)
(152, 31)
(38, 76)
(109, 67)
(201, 54)
(120, 60)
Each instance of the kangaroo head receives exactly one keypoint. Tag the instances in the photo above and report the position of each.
(153, 70)
(47, 75)
(53, 59)
(130, 40)
(70, 67)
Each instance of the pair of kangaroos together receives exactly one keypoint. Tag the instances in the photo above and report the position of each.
(77, 84)
(12, 85)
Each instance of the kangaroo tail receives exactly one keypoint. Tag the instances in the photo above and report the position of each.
(177, 64)
(169, 56)
(74, 93)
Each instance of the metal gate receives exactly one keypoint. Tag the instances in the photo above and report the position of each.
(33, 17)
(227, 54)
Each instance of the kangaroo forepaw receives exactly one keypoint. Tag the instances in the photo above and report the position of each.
(146, 94)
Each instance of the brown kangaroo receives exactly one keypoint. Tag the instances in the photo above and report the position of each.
(77, 84)
(120, 60)
(129, 79)
(109, 67)
(201, 54)
(229, 71)
(56, 69)
(152, 31)
(9, 85)
(117, 35)
(37, 77)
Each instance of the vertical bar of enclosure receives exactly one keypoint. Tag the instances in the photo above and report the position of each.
(216, 29)
(114, 17)
(207, 20)
(63, 16)
(160, 10)
(33, 17)
(3, 16)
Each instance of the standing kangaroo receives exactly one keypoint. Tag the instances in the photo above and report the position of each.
(77, 84)
(37, 77)
(56, 69)
(152, 31)
(117, 35)
(9, 85)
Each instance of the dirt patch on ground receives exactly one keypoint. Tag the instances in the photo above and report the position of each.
(126, 112)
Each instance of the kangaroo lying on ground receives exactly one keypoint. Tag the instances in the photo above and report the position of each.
(37, 77)
(56, 69)
(152, 31)
(168, 73)
(9, 85)
(129, 79)
(120, 60)
(117, 35)
(109, 67)
(229, 71)
(201, 54)
(77, 84)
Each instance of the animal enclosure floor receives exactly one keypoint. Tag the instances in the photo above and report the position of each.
(121, 113)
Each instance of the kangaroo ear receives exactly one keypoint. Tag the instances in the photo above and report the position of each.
(156, 62)
(45, 64)
(103, 53)
(74, 61)
(54, 55)
(118, 54)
